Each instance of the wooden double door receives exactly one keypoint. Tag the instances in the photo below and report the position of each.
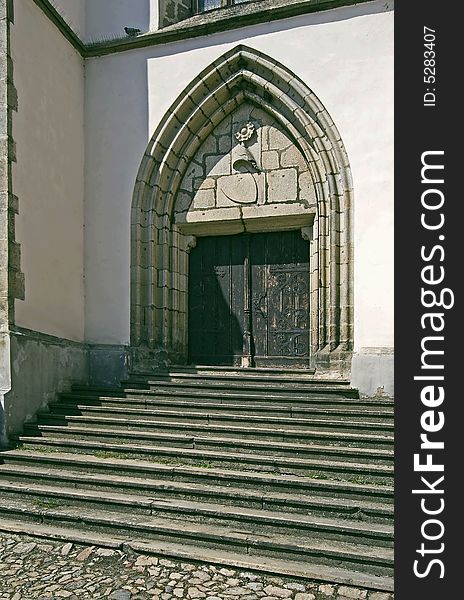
(249, 300)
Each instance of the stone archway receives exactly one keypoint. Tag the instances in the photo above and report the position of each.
(202, 175)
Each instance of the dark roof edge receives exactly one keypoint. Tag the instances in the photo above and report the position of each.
(212, 22)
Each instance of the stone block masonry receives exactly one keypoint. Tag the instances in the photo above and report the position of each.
(245, 173)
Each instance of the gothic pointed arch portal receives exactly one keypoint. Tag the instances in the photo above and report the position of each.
(247, 147)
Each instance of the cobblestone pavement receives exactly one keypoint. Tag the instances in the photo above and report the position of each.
(32, 568)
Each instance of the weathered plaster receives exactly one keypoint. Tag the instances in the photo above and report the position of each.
(108, 364)
(372, 371)
(41, 367)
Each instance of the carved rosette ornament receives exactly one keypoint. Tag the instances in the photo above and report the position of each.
(245, 133)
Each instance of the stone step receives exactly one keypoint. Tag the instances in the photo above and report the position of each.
(366, 558)
(243, 410)
(233, 381)
(259, 482)
(221, 375)
(360, 509)
(233, 386)
(215, 556)
(268, 465)
(350, 446)
(237, 396)
(213, 417)
(296, 434)
(221, 371)
(125, 445)
(256, 521)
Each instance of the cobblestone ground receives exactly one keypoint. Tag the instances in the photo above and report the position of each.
(34, 569)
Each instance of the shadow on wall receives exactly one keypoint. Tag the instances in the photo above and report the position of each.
(216, 302)
(117, 134)
(215, 334)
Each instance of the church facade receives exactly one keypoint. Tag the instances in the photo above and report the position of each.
(193, 183)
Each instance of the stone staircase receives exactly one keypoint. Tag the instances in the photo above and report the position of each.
(260, 469)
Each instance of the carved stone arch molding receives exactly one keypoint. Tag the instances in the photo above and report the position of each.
(165, 221)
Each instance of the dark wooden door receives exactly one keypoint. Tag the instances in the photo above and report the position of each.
(280, 299)
(249, 299)
(216, 301)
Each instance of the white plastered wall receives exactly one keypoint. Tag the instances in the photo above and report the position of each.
(48, 176)
(345, 56)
